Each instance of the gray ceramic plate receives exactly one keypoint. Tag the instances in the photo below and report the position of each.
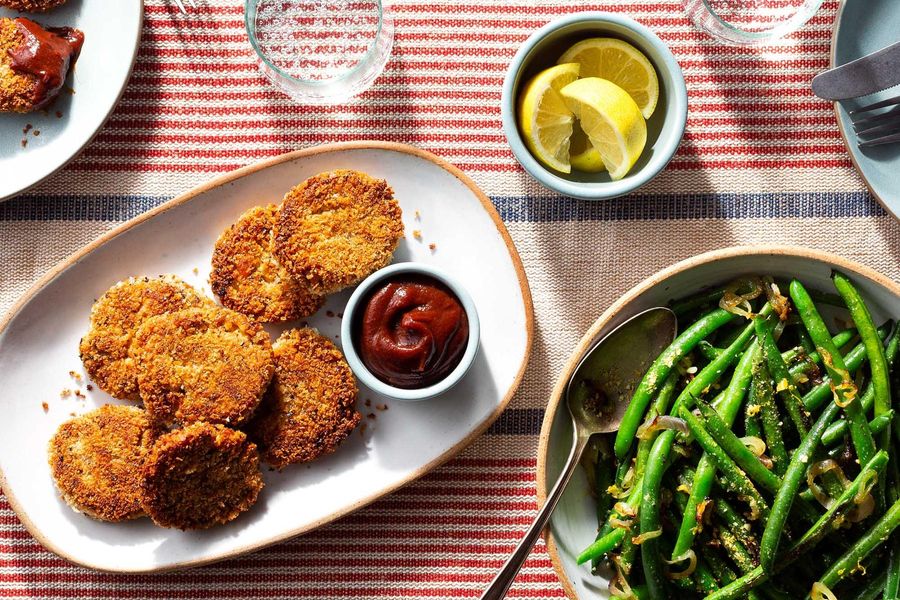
(34, 146)
(574, 523)
(864, 26)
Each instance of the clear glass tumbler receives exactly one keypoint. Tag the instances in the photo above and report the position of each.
(749, 22)
(320, 51)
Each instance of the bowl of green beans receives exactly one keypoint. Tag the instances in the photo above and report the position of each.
(759, 456)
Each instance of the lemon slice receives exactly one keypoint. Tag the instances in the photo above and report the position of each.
(544, 119)
(621, 63)
(611, 119)
(582, 154)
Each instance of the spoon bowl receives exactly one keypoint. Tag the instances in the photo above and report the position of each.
(597, 395)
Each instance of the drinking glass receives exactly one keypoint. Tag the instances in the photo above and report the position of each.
(320, 51)
(749, 22)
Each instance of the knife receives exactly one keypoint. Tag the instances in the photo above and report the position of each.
(867, 75)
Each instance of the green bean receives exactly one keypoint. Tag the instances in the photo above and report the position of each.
(840, 339)
(878, 367)
(873, 588)
(735, 550)
(604, 476)
(659, 371)
(844, 389)
(718, 566)
(835, 433)
(819, 530)
(752, 428)
(736, 449)
(854, 359)
(763, 396)
(877, 535)
(738, 525)
(706, 469)
(787, 389)
(605, 544)
(787, 493)
(737, 480)
(708, 351)
(892, 581)
(806, 342)
(659, 453)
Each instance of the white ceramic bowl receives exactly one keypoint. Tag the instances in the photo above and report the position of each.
(359, 368)
(574, 523)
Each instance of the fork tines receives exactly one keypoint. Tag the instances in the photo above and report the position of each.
(886, 125)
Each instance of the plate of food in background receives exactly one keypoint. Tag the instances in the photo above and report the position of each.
(63, 67)
(190, 365)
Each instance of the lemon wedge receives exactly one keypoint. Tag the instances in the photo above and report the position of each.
(544, 119)
(611, 119)
(582, 154)
(621, 63)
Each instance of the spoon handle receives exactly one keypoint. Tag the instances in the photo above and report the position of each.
(498, 588)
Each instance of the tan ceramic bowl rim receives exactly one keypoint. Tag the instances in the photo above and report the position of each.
(621, 306)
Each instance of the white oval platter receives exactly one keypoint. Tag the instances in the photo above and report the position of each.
(112, 32)
(39, 346)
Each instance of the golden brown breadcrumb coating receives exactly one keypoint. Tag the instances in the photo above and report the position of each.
(115, 318)
(16, 89)
(202, 364)
(248, 278)
(96, 459)
(310, 407)
(200, 476)
(31, 5)
(336, 228)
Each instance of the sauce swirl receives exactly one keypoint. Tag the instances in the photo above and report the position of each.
(47, 54)
(413, 332)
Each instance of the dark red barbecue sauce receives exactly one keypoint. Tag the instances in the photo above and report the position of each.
(48, 54)
(413, 331)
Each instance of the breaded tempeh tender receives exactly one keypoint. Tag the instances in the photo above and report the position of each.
(202, 364)
(248, 278)
(96, 459)
(200, 476)
(310, 407)
(115, 318)
(336, 228)
(17, 90)
(31, 5)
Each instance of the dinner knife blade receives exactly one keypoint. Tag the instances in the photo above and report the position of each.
(867, 75)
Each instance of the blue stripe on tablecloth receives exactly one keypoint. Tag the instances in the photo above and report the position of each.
(516, 208)
(518, 421)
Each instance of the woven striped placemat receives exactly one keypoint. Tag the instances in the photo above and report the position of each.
(761, 162)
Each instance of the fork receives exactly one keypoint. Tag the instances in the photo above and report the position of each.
(885, 126)
(180, 5)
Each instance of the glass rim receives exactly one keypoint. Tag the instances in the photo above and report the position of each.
(736, 35)
(321, 83)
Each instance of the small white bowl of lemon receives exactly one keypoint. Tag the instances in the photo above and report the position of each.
(594, 105)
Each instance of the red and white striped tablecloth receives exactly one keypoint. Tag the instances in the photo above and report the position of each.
(761, 162)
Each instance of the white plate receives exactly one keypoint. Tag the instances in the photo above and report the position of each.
(39, 342)
(112, 30)
(574, 522)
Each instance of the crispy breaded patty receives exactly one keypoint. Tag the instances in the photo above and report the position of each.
(202, 364)
(96, 459)
(310, 407)
(200, 476)
(336, 228)
(115, 318)
(31, 5)
(248, 278)
(17, 90)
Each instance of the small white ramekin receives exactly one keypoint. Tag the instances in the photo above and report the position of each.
(355, 304)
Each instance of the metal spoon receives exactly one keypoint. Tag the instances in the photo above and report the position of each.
(597, 395)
